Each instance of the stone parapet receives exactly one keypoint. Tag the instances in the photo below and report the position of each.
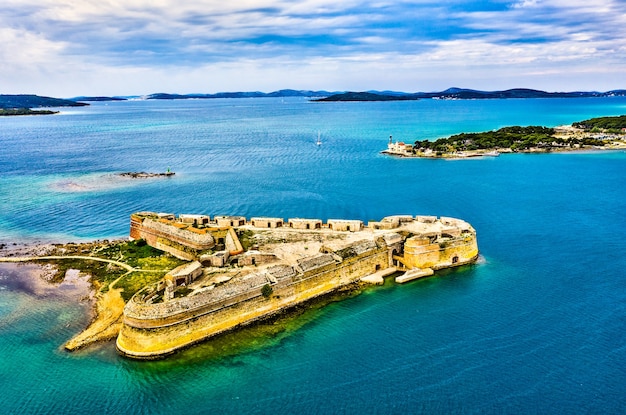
(222, 300)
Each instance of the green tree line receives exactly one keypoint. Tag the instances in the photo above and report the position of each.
(516, 138)
(607, 124)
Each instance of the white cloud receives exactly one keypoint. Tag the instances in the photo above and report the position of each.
(27, 48)
(523, 4)
(140, 46)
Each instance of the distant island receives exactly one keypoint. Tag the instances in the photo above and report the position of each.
(602, 132)
(5, 112)
(459, 93)
(146, 175)
(15, 102)
(97, 99)
(368, 96)
(255, 94)
(450, 93)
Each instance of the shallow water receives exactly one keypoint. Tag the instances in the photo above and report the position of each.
(535, 327)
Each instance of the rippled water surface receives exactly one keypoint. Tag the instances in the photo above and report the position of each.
(536, 327)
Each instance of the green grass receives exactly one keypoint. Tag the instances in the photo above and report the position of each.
(130, 252)
(135, 281)
(153, 263)
(246, 237)
(101, 273)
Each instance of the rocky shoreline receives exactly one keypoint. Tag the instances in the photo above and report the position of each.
(96, 269)
(605, 133)
(145, 175)
(497, 152)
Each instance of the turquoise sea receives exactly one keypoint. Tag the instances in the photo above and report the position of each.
(537, 326)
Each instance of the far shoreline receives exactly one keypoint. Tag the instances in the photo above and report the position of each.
(16, 112)
(596, 134)
(478, 156)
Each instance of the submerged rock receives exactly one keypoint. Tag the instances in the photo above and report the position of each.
(145, 175)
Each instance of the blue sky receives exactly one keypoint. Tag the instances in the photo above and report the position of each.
(125, 47)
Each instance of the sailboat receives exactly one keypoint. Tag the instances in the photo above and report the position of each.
(319, 141)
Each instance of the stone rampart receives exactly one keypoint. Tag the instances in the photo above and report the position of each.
(421, 253)
(196, 240)
(152, 329)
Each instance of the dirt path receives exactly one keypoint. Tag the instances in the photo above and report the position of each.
(37, 258)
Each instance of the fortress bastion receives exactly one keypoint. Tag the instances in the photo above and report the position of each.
(244, 270)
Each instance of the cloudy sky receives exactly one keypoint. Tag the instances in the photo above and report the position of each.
(124, 47)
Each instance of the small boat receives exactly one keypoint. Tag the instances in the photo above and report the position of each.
(493, 153)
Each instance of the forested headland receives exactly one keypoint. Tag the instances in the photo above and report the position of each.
(24, 111)
(601, 132)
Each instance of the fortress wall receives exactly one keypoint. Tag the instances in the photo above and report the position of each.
(178, 250)
(200, 241)
(420, 253)
(464, 251)
(155, 337)
(218, 233)
(439, 255)
(338, 274)
(364, 264)
(142, 314)
(233, 245)
(183, 244)
(152, 316)
(135, 227)
(257, 258)
(161, 341)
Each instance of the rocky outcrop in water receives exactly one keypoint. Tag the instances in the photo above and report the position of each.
(145, 175)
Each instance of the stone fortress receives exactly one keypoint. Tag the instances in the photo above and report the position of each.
(240, 270)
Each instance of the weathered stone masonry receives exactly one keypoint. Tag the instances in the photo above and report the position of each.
(158, 321)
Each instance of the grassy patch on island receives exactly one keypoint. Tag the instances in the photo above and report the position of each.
(150, 264)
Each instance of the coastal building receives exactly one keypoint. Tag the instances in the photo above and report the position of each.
(230, 220)
(345, 225)
(302, 224)
(398, 148)
(185, 274)
(226, 286)
(267, 222)
(195, 220)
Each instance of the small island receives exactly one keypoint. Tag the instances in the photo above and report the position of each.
(98, 99)
(145, 175)
(15, 105)
(595, 133)
(462, 93)
(367, 96)
(184, 279)
(7, 112)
